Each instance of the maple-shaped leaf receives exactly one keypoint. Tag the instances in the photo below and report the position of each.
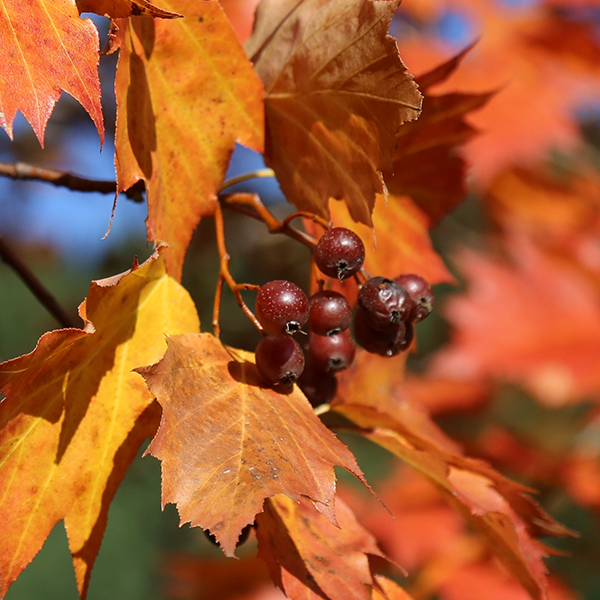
(75, 415)
(554, 352)
(427, 165)
(309, 557)
(498, 507)
(227, 442)
(124, 8)
(336, 94)
(45, 49)
(186, 93)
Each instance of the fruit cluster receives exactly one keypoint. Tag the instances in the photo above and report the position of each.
(383, 322)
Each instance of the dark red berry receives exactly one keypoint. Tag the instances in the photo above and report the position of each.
(318, 386)
(386, 302)
(281, 307)
(339, 253)
(420, 293)
(329, 313)
(331, 353)
(279, 360)
(389, 342)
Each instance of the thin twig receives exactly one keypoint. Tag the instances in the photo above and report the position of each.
(225, 275)
(59, 178)
(241, 203)
(260, 173)
(35, 285)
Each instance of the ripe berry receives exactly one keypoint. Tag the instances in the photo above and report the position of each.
(331, 353)
(329, 313)
(279, 360)
(281, 307)
(420, 293)
(386, 302)
(318, 386)
(388, 342)
(339, 253)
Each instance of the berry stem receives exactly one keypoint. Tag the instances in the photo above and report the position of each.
(243, 202)
(225, 275)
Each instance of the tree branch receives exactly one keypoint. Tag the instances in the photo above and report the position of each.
(59, 178)
(35, 285)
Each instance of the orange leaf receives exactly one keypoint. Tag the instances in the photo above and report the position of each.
(554, 349)
(337, 93)
(308, 557)
(45, 49)
(75, 416)
(186, 93)
(124, 8)
(497, 507)
(226, 442)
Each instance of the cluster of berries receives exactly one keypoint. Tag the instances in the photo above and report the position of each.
(383, 322)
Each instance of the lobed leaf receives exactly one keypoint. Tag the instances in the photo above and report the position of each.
(227, 442)
(308, 557)
(336, 94)
(45, 49)
(185, 94)
(75, 415)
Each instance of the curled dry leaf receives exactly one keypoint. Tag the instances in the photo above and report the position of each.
(45, 49)
(227, 443)
(187, 93)
(309, 557)
(336, 94)
(66, 442)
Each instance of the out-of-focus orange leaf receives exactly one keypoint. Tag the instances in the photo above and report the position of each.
(124, 8)
(45, 49)
(440, 395)
(193, 578)
(336, 94)
(543, 81)
(186, 93)
(427, 165)
(561, 214)
(535, 321)
(498, 507)
(308, 557)
(241, 14)
(227, 442)
(75, 415)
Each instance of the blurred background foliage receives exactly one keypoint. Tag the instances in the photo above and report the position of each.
(60, 235)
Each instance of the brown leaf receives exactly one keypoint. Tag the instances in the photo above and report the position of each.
(227, 443)
(45, 49)
(337, 92)
(498, 507)
(75, 416)
(186, 93)
(308, 557)
(124, 8)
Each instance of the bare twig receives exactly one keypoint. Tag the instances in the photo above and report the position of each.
(251, 205)
(35, 285)
(225, 275)
(261, 173)
(59, 178)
